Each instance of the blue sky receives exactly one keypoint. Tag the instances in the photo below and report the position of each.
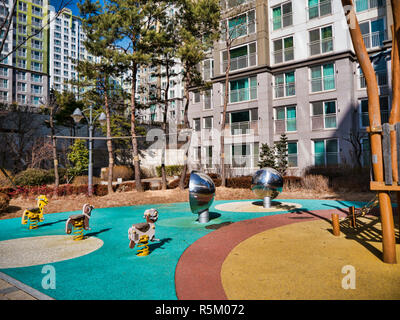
(56, 4)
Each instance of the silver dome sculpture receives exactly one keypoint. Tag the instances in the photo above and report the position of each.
(201, 195)
(267, 183)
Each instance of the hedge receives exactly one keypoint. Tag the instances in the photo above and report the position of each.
(172, 170)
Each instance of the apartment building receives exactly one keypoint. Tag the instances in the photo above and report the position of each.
(24, 73)
(66, 49)
(293, 71)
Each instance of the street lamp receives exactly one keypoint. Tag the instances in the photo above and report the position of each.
(78, 115)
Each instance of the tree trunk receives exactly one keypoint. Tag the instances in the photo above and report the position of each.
(164, 127)
(109, 144)
(54, 149)
(187, 126)
(135, 151)
(222, 133)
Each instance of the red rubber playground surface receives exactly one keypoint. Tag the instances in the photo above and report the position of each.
(307, 246)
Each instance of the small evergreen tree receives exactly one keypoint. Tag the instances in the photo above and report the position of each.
(276, 156)
(79, 158)
(267, 156)
(281, 148)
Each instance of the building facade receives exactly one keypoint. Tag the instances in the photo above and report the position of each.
(293, 71)
(24, 73)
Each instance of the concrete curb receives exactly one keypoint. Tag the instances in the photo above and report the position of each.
(21, 286)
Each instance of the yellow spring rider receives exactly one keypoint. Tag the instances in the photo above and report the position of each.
(33, 216)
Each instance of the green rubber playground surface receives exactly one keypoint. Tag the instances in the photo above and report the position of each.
(112, 270)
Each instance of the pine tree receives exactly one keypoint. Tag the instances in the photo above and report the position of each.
(281, 148)
(267, 156)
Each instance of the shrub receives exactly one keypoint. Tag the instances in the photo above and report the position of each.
(34, 177)
(316, 182)
(78, 180)
(124, 172)
(239, 182)
(173, 170)
(292, 182)
(4, 182)
(175, 183)
(4, 201)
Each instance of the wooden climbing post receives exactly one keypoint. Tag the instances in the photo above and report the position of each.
(335, 224)
(375, 129)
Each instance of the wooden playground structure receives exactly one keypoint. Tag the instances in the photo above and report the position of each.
(384, 139)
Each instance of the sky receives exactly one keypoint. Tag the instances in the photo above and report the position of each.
(72, 5)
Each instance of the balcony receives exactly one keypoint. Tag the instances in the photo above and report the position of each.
(285, 90)
(327, 121)
(288, 125)
(242, 128)
(321, 46)
(374, 39)
(283, 21)
(241, 62)
(284, 55)
(381, 77)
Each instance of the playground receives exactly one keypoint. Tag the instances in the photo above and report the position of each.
(244, 252)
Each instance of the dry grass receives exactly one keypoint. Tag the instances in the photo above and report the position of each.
(130, 198)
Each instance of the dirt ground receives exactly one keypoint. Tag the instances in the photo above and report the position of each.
(75, 202)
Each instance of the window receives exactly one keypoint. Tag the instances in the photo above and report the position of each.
(36, 66)
(21, 52)
(197, 153)
(21, 98)
(37, 44)
(373, 33)
(319, 8)
(321, 40)
(292, 154)
(207, 100)
(57, 35)
(362, 5)
(244, 155)
(21, 29)
(36, 77)
(283, 50)
(323, 77)
(380, 68)
(36, 21)
(36, 89)
(21, 64)
(3, 83)
(207, 123)
(37, 11)
(285, 85)
(22, 6)
(196, 124)
(323, 115)
(243, 122)
(196, 97)
(326, 152)
(384, 105)
(3, 95)
(3, 71)
(35, 101)
(365, 152)
(37, 55)
(208, 156)
(208, 69)
(285, 119)
(239, 26)
(243, 89)
(21, 86)
(282, 16)
(241, 57)
(21, 75)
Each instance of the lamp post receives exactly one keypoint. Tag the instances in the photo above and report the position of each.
(78, 115)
